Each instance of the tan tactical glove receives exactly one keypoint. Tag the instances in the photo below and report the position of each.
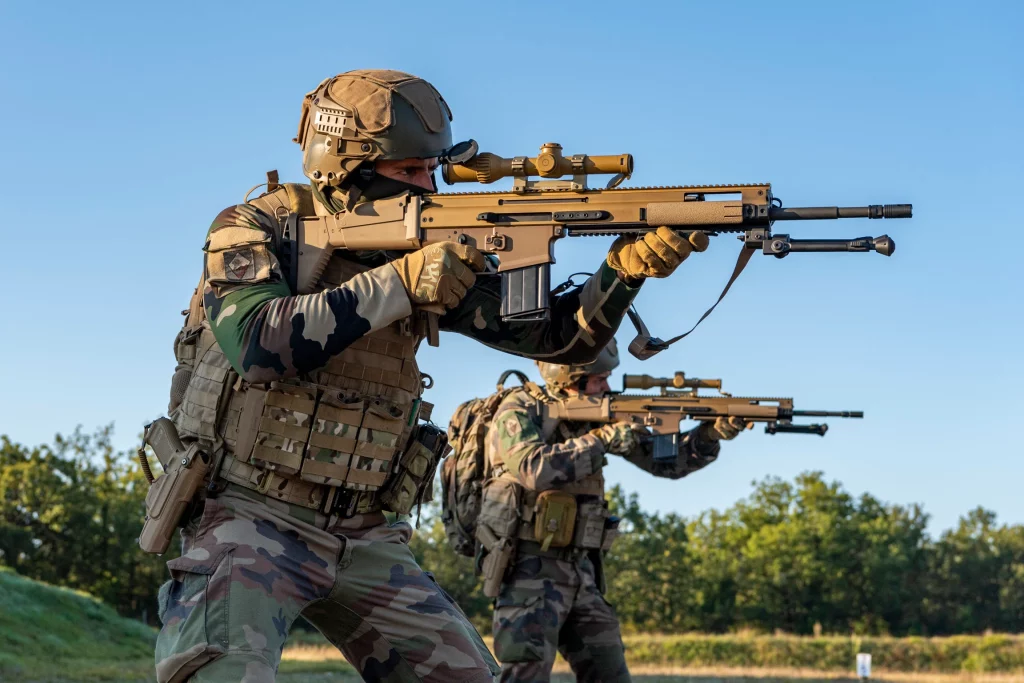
(619, 438)
(656, 255)
(723, 429)
(440, 273)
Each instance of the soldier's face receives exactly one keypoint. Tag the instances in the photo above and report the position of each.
(597, 384)
(417, 172)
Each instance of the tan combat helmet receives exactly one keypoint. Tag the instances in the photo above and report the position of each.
(563, 376)
(355, 118)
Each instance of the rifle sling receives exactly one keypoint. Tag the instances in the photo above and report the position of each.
(644, 345)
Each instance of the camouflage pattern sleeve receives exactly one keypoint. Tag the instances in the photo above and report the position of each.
(515, 439)
(267, 332)
(582, 320)
(694, 453)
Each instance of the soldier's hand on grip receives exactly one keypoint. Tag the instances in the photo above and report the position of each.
(724, 428)
(656, 255)
(439, 274)
(619, 438)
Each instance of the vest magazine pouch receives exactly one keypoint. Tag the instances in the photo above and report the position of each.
(611, 532)
(353, 441)
(554, 519)
(169, 497)
(499, 507)
(282, 430)
(414, 476)
(590, 528)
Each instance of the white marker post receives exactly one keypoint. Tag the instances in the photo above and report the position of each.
(863, 666)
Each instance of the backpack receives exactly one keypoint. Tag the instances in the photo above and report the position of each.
(465, 470)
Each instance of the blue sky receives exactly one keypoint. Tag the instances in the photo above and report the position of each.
(125, 128)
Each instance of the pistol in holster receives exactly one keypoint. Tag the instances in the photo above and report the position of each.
(497, 557)
(170, 494)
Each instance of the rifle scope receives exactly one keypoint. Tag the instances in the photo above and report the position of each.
(678, 381)
(487, 167)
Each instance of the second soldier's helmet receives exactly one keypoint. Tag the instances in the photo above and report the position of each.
(562, 376)
(361, 116)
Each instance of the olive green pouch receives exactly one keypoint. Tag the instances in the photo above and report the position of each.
(554, 519)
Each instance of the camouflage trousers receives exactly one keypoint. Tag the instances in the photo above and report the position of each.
(250, 567)
(548, 605)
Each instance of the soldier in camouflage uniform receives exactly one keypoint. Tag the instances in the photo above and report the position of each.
(308, 403)
(551, 598)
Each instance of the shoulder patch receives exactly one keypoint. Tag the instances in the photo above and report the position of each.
(512, 426)
(238, 247)
(239, 264)
(252, 263)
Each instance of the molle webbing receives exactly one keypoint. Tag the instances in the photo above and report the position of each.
(592, 485)
(197, 414)
(374, 360)
(290, 490)
(383, 361)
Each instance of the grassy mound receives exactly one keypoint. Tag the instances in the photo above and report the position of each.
(49, 633)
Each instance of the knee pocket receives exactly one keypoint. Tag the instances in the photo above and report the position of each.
(193, 611)
(525, 629)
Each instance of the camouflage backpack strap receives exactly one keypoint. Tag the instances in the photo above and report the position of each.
(523, 379)
(537, 393)
(286, 203)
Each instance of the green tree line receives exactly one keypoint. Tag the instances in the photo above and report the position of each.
(799, 557)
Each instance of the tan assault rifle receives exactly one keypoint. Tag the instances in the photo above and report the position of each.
(679, 399)
(522, 225)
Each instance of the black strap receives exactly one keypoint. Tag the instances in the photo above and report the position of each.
(289, 256)
(523, 379)
(644, 345)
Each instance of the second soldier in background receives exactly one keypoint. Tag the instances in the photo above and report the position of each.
(544, 523)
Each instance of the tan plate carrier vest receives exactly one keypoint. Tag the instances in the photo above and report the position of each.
(344, 427)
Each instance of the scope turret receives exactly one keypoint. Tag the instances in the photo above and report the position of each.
(677, 381)
(549, 163)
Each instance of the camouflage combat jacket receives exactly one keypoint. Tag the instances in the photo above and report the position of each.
(309, 393)
(529, 453)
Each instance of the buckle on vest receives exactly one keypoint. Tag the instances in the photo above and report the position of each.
(263, 481)
(342, 502)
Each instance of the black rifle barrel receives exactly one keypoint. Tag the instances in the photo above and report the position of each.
(816, 213)
(827, 413)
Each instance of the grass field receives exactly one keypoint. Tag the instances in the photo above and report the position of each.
(54, 635)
